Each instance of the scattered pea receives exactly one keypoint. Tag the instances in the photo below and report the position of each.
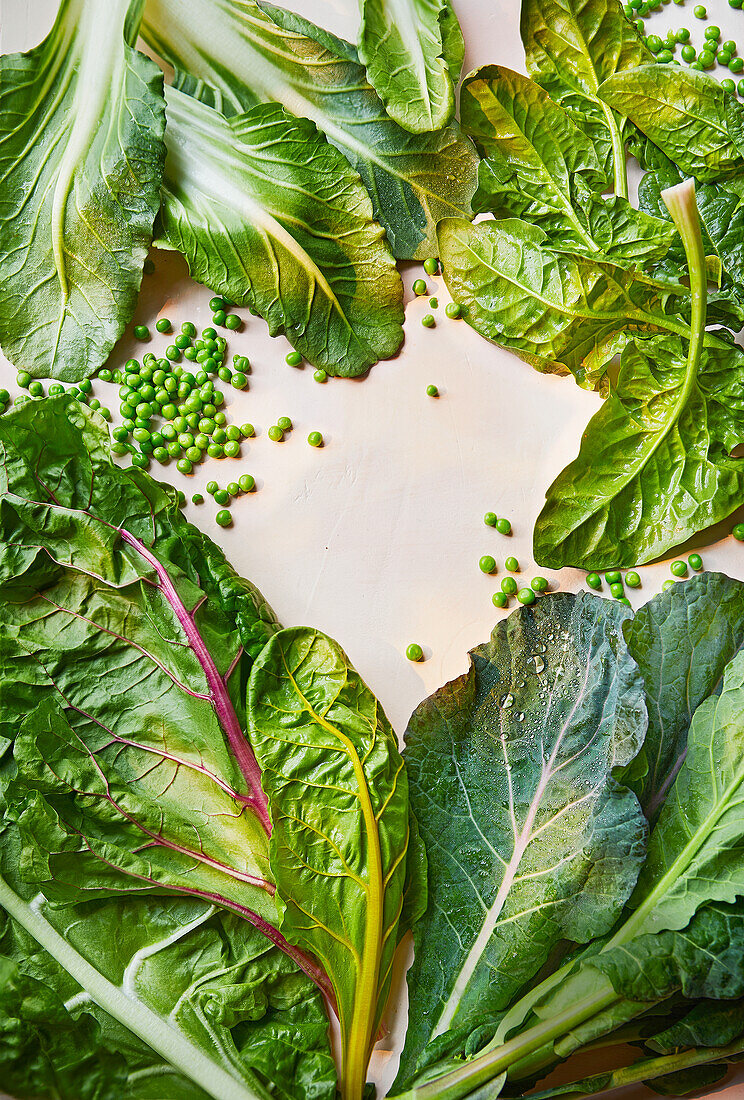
(683, 35)
(500, 599)
(232, 322)
(490, 519)
(419, 287)
(275, 433)
(36, 389)
(431, 265)
(594, 581)
(736, 4)
(212, 487)
(141, 332)
(232, 448)
(738, 532)
(487, 564)
(315, 439)
(142, 462)
(434, 303)
(736, 64)
(214, 450)
(695, 561)
(512, 565)
(432, 391)
(617, 590)
(247, 482)
(23, 378)
(689, 53)
(223, 518)
(428, 321)
(453, 310)
(707, 60)
(208, 333)
(699, 12)
(654, 43)
(632, 579)
(239, 380)
(197, 498)
(320, 376)
(503, 526)
(509, 586)
(293, 359)
(163, 325)
(247, 430)
(713, 32)
(414, 652)
(221, 496)
(188, 329)
(526, 596)
(613, 577)
(667, 584)
(664, 57)
(539, 584)
(729, 85)
(678, 568)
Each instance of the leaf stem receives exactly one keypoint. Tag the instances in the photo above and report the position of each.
(147, 1025)
(618, 152)
(681, 203)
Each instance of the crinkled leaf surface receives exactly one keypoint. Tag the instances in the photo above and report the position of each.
(553, 310)
(529, 838)
(412, 179)
(696, 122)
(682, 641)
(338, 794)
(402, 47)
(540, 166)
(269, 214)
(81, 159)
(666, 424)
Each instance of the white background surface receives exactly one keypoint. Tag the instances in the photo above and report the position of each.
(375, 538)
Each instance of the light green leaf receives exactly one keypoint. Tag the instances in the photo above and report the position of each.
(667, 423)
(338, 795)
(269, 214)
(555, 311)
(540, 166)
(81, 159)
(529, 838)
(413, 180)
(694, 121)
(402, 47)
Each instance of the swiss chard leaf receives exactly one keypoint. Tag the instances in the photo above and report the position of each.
(666, 423)
(413, 179)
(403, 47)
(540, 166)
(529, 838)
(696, 122)
(81, 159)
(269, 214)
(555, 311)
(682, 641)
(338, 795)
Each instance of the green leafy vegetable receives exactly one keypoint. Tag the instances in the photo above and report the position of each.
(338, 798)
(81, 159)
(413, 180)
(529, 838)
(268, 213)
(402, 45)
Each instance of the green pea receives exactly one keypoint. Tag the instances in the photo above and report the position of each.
(512, 565)
(414, 652)
(487, 564)
(5, 396)
(142, 462)
(617, 590)
(683, 35)
(736, 4)
(212, 487)
(201, 441)
(509, 586)
(284, 423)
(172, 353)
(169, 411)
(707, 59)
(315, 439)
(453, 310)
(431, 265)
(174, 448)
(232, 322)
(428, 321)
(219, 435)
(526, 596)
(503, 526)
(208, 333)
(214, 450)
(232, 448)
(736, 64)
(188, 329)
(678, 568)
(633, 580)
(218, 317)
(104, 374)
(220, 418)
(293, 359)
(695, 561)
(224, 374)
(221, 496)
(419, 287)
(233, 432)
(247, 430)
(193, 454)
(320, 376)
(160, 454)
(119, 448)
(206, 425)
(182, 342)
(434, 303)
(23, 378)
(223, 518)
(713, 32)
(539, 584)
(247, 482)
(36, 389)
(500, 599)
(275, 433)
(738, 532)
(432, 391)
(664, 57)
(141, 332)
(654, 43)
(667, 584)
(490, 519)
(163, 325)
(239, 381)
(197, 498)
(594, 581)
(699, 12)
(729, 85)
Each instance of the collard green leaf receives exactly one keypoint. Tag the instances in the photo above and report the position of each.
(402, 47)
(666, 424)
(81, 159)
(709, 1024)
(698, 124)
(540, 166)
(338, 795)
(682, 641)
(571, 48)
(413, 179)
(269, 214)
(529, 838)
(555, 311)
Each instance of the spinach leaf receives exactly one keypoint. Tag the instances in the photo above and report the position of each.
(268, 213)
(571, 49)
(404, 49)
(338, 796)
(413, 180)
(682, 641)
(529, 838)
(561, 313)
(81, 159)
(696, 122)
(540, 166)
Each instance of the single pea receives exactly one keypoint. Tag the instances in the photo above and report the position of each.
(738, 532)
(239, 380)
(232, 322)
(617, 590)
(141, 332)
(689, 53)
(500, 599)
(432, 391)
(293, 359)
(453, 310)
(639, 26)
(218, 317)
(315, 439)
(208, 333)
(284, 423)
(201, 441)
(419, 287)
(220, 418)
(140, 435)
(23, 399)
(707, 59)
(713, 32)
(104, 374)
(526, 596)
(594, 581)
(219, 435)
(193, 454)
(234, 432)
(736, 4)
(275, 433)
(667, 584)
(509, 586)
(628, 11)
(142, 462)
(428, 321)
(5, 396)
(54, 391)
(664, 57)
(174, 448)
(431, 265)
(678, 568)
(503, 525)
(247, 430)
(184, 465)
(212, 487)
(160, 454)
(119, 448)
(683, 35)
(613, 576)
(169, 411)
(414, 652)
(23, 378)
(197, 498)
(231, 448)
(654, 43)
(633, 580)
(247, 482)
(172, 353)
(217, 303)
(434, 303)
(490, 519)
(130, 425)
(539, 584)
(224, 374)
(221, 496)
(36, 389)
(188, 329)
(699, 12)
(625, 601)
(182, 342)
(487, 564)
(223, 518)
(163, 325)
(320, 376)
(736, 64)
(512, 565)
(728, 85)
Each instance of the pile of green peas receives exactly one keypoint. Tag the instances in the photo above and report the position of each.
(616, 581)
(82, 391)
(713, 51)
